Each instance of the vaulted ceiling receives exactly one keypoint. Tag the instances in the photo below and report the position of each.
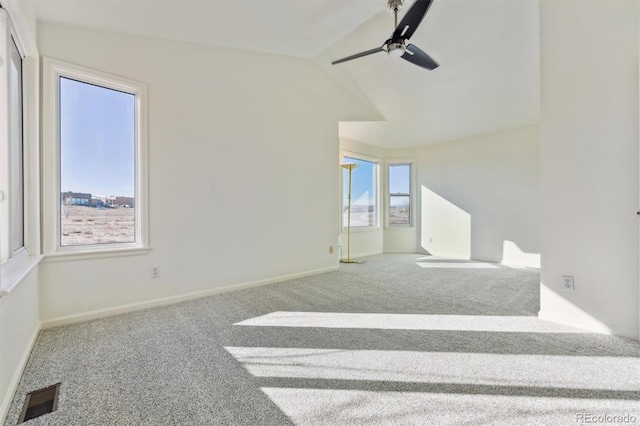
(488, 50)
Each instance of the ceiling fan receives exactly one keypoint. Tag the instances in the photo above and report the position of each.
(398, 45)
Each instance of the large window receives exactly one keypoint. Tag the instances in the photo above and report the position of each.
(97, 164)
(399, 194)
(364, 184)
(12, 216)
(95, 130)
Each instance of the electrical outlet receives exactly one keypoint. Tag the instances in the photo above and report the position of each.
(155, 272)
(430, 239)
(330, 249)
(567, 283)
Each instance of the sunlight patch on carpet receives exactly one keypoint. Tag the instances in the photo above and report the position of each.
(351, 407)
(485, 369)
(511, 324)
(458, 265)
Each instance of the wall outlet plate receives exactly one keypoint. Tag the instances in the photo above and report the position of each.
(567, 283)
(155, 272)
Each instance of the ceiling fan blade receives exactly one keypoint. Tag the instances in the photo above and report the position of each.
(359, 55)
(416, 56)
(409, 23)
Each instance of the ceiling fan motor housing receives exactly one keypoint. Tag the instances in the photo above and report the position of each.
(395, 5)
(396, 49)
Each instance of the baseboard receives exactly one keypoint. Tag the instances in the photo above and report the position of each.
(131, 307)
(593, 326)
(359, 255)
(402, 251)
(17, 375)
(521, 265)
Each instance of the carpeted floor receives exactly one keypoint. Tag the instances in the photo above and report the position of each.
(401, 339)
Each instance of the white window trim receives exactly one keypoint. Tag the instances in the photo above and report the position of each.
(377, 161)
(22, 262)
(7, 35)
(387, 206)
(52, 70)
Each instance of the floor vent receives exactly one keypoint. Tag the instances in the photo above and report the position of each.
(40, 402)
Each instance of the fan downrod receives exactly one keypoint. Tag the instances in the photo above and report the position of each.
(394, 7)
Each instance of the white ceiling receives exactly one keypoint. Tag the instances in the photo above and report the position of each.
(488, 79)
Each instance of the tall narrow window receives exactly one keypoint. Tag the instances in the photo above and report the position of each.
(400, 194)
(95, 193)
(16, 150)
(363, 193)
(97, 164)
(12, 168)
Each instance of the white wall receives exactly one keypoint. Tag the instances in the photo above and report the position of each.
(19, 325)
(589, 163)
(402, 239)
(243, 154)
(19, 311)
(480, 197)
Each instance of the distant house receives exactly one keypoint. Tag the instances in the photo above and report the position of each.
(98, 202)
(125, 201)
(75, 198)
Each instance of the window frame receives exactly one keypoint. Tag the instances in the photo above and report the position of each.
(17, 267)
(411, 194)
(10, 38)
(53, 70)
(343, 184)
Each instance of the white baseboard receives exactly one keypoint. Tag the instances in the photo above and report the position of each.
(585, 324)
(101, 313)
(532, 265)
(359, 255)
(17, 375)
(402, 251)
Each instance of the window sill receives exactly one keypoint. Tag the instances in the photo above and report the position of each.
(15, 270)
(65, 256)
